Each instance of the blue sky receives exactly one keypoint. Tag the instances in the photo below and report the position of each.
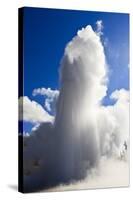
(46, 33)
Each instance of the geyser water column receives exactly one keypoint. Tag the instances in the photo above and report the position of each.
(82, 77)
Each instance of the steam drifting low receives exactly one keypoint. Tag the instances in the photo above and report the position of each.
(84, 131)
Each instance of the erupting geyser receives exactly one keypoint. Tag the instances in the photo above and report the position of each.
(82, 74)
(83, 129)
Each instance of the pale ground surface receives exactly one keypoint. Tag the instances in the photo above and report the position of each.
(112, 173)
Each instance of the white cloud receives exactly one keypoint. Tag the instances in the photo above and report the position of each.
(45, 91)
(51, 97)
(35, 127)
(32, 112)
(100, 27)
(113, 124)
(120, 95)
(25, 134)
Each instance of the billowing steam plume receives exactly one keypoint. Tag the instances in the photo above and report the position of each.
(84, 131)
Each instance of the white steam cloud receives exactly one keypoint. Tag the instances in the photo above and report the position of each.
(50, 97)
(100, 27)
(86, 138)
(33, 112)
